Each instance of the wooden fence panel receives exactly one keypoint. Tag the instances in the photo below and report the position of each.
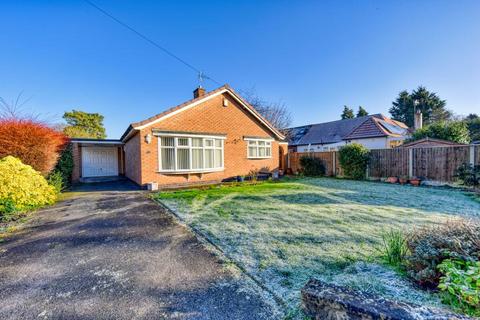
(439, 163)
(326, 157)
(433, 163)
(388, 163)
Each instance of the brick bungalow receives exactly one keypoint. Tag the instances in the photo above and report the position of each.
(211, 138)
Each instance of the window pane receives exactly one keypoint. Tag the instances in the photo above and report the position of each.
(208, 158)
(218, 143)
(261, 143)
(183, 142)
(261, 151)
(197, 159)
(167, 141)
(252, 152)
(269, 151)
(252, 143)
(208, 143)
(197, 142)
(183, 160)
(167, 158)
(218, 158)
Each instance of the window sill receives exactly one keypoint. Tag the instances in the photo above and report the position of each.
(191, 171)
(258, 158)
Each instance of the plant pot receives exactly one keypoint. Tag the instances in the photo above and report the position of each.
(402, 180)
(392, 180)
(415, 182)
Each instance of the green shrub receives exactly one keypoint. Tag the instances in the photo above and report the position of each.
(7, 209)
(65, 165)
(468, 174)
(430, 246)
(312, 166)
(456, 131)
(394, 247)
(21, 187)
(55, 179)
(460, 285)
(354, 160)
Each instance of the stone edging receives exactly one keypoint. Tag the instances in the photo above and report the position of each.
(330, 302)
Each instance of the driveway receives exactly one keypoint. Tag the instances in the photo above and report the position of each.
(118, 255)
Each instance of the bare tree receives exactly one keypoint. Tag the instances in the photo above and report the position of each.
(276, 113)
(14, 109)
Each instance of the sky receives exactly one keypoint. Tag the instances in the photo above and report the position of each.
(313, 56)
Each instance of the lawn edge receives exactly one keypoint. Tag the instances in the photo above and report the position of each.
(217, 250)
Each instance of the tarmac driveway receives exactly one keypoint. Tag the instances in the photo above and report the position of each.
(118, 255)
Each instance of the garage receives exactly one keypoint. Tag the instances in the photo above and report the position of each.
(96, 159)
(99, 162)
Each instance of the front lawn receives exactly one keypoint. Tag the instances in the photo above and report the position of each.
(284, 233)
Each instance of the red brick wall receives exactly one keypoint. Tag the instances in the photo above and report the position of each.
(132, 159)
(211, 117)
(77, 162)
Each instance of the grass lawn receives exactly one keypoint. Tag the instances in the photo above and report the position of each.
(284, 233)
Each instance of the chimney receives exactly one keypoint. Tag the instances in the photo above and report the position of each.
(418, 121)
(199, 92)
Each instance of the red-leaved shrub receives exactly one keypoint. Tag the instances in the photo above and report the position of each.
(33, 142)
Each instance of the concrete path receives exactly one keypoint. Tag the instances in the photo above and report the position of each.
(118, 255)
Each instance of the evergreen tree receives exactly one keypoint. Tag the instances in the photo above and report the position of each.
(429, 103)
(361, 112)
(84, 125)
(347, 113)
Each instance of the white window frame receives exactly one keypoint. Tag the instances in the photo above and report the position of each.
(190, 147)
(254, 142)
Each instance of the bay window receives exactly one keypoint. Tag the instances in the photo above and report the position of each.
(190, 153)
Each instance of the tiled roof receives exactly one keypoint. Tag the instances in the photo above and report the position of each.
(225, 88)
(376, 125)
(180, 106)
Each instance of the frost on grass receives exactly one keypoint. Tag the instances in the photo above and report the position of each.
(285, 233)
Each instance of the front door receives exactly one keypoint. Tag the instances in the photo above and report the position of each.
(99, 161)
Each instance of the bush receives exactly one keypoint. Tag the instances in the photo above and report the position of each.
(34, 143)
(430, 246)
(312, 166)
(394, 247)
(456, 131)
(21, 187)
(55, 179)
(468, 174)
(460, 285)
(64, 165)
(354, 160)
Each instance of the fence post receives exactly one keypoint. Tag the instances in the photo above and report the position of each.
(410, 163)
(472, 154)
(334, 164)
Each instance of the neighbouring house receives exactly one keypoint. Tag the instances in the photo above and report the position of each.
(214, 137)
(431, 142)
(373, 131)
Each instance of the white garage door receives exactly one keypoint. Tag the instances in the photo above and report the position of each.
(99, 161)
